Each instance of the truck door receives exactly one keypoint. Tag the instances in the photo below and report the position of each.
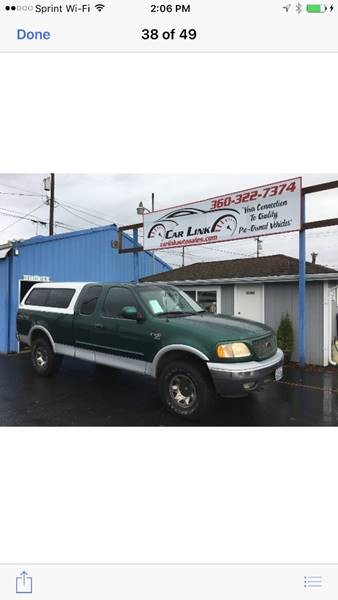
(126, 338)
(85, 330)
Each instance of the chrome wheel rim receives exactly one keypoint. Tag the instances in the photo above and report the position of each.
(41, 358)
(182, 390)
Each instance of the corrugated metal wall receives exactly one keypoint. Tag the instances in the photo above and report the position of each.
(283, 298)
(3, 304)
(83, 256)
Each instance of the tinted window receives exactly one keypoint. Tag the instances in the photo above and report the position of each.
(59, 297)
(37, 297)
(116, 299)
(90, 299)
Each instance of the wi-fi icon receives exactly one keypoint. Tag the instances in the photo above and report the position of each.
(99, 7)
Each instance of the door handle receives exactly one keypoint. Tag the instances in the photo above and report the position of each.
(98, 326)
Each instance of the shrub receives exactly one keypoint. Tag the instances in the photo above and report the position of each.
(285, 334)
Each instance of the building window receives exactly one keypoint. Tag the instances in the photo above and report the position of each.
(90, 299)
(207, 299)
(191, 294)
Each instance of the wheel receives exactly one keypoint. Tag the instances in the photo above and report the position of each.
(44, 361)
(186, 389)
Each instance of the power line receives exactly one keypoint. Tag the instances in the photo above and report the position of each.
(20, 218)
(21, 194)
(14, 187)
(11, 213)
(97, 214)
(24, 218)
(79, 216)
(64, 226)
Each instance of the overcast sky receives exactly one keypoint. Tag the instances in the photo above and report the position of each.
(91, 200)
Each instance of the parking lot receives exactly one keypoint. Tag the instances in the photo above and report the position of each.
(82, 395)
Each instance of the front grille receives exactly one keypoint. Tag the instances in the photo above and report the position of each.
(266, 347)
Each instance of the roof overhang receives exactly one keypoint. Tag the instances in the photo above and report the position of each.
(239, 280)
(4, 250)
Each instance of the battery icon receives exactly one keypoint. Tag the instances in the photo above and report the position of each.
(315, 8)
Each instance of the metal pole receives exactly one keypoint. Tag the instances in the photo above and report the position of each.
(302, 289)
(183, 256)
(136, 256)
(259, 246)
(51, 204)
(152, 210)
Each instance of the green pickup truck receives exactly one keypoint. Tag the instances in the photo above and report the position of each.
(156, 330)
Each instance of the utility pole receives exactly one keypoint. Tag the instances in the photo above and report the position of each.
(152, 210)
(51, 204)
(259, 246)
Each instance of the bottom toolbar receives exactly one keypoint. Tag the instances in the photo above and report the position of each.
(170, 581)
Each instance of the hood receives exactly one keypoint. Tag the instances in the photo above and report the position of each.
(223, 326)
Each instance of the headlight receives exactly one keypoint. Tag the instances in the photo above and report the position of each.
(235, 350)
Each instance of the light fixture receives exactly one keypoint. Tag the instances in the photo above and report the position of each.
(140, 209)
(46, 184)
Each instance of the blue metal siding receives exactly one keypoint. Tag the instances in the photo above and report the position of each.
(4, 305)
(83, 256)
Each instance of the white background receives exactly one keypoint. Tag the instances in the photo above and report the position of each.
(187, 494)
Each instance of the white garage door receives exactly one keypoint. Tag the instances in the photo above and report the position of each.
(249, 302)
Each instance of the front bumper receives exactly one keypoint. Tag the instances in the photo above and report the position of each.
(237, 378)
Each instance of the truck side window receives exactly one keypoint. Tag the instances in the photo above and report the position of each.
(37, 297)
(59, 297)
(116, 299)
(90, 299)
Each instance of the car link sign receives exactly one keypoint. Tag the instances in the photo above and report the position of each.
(266, 210)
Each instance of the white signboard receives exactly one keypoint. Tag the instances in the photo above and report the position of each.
(36, 278)
(266, 210)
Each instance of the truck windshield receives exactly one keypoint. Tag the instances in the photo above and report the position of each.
(165, 301)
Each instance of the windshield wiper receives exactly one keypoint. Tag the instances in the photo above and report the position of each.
(176, 313)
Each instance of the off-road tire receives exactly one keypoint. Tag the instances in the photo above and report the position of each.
(44, 361)
(194, 379)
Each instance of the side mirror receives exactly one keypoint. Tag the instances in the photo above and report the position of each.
(131, 312)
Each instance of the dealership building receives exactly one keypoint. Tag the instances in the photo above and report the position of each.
(87, 255)
(263, 289)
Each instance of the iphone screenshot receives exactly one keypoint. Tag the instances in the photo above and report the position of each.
(168, 300)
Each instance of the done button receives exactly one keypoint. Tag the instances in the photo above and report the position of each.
(22, 34)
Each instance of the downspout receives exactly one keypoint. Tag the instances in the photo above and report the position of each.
(331, 298)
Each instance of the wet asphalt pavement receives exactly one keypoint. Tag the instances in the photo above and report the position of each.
(82, 395)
